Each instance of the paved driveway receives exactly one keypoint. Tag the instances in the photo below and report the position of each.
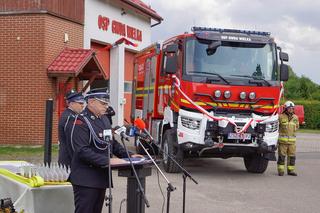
(226, 187)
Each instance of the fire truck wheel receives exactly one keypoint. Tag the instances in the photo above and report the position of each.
(255, 163)
(169, 139)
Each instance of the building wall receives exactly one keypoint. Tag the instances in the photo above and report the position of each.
(114, 12)
(106, 22)
(54, 33)
(103, 56)
(70, 9)
(28, 43)
(128, 77)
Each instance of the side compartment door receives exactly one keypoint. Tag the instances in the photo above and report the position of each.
(144, 87)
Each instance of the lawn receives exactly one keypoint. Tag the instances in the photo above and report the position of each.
(313, 131)
(33, 154)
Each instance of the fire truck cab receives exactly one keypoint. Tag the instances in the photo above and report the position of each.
(233, 75)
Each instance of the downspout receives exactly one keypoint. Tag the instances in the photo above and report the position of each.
(159, 22)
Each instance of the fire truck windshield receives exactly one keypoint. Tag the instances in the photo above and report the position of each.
(231, 59)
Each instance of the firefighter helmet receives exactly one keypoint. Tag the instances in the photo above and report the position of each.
(288, 104)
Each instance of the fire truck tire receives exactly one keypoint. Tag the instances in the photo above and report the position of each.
(169, 141)
(255, 163)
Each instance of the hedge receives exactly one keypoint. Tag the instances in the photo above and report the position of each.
(311, 113)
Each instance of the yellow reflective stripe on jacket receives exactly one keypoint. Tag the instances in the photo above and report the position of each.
(287, 139)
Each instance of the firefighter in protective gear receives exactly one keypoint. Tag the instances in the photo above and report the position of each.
(288, 125)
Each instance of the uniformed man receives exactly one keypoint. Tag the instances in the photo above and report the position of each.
(75, 103)
(89, 167)
(288, 125)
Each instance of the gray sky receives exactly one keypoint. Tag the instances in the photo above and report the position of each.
(295, 24)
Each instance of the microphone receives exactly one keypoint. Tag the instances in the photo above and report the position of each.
(133, 131)
(122, 132)
(138, 122)
(107, 135)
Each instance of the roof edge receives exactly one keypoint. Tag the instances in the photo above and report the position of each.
(154, 14)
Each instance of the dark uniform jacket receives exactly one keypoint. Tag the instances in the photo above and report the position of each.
(89, 165)
(110, 112)
(65, 149)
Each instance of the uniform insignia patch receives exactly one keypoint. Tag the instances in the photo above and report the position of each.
(78, 122)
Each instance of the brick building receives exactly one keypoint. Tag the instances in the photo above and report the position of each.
(35, 37)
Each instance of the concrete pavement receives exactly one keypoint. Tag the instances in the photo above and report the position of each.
(226, 187)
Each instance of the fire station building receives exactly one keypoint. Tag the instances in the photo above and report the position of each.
(50, 47)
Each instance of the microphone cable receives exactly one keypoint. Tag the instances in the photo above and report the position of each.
(141, 189)
(158, 178)
(161, 191)
(122, 201)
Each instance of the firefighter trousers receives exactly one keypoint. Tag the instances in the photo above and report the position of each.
(288, 150)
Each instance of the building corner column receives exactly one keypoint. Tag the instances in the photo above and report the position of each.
(117, 57)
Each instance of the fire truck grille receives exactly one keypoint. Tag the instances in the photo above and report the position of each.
(190, 123)
(272, 126)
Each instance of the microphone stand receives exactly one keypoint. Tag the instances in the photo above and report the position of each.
(109, 197)
(135, 174)
(170, 187)
(184, 171)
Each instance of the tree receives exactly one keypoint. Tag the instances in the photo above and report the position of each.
(301, 88)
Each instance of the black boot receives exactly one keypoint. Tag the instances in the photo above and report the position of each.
(292, 173)
(291, 165)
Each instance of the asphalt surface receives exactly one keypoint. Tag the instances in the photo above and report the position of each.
(225, 186)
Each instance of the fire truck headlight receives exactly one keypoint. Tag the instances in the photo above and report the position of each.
(227, 94)
(243, 95)
(252, 95)
(217, 93)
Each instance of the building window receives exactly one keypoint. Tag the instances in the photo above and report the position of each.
(128, 86)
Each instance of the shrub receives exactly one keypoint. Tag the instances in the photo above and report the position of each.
(311, 113)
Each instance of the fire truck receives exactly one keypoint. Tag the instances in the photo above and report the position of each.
(212, 93)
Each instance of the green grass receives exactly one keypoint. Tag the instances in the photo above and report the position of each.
(4, 150)
(32, 154)
(313, 131)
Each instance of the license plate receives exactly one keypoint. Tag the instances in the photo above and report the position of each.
(237, 136)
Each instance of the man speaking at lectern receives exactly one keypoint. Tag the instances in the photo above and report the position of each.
(90, 138)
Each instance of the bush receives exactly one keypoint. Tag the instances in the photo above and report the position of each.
(297, 87)
(311, 113)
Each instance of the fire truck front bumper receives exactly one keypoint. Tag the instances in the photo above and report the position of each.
(196, 132)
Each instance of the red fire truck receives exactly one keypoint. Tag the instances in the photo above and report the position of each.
(212, 93)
